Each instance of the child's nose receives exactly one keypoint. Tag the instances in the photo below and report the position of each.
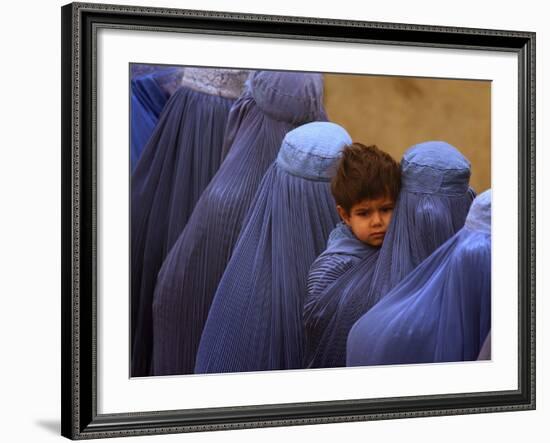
(376, 218)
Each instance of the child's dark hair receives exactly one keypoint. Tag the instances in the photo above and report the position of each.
(365, 172)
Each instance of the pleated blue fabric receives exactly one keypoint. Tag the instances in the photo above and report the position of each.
(273, 104)
(442, 311)
(146, 103)
(178, 162)
(148, 95)
(343, 252)
(432, 206)
(255, 322)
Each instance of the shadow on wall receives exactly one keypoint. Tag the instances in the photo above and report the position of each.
(397, 112)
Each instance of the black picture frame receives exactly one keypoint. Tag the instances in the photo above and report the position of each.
(79, 213)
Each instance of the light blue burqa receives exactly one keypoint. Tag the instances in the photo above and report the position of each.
(255, 322)
(442, 311)
(432, 206)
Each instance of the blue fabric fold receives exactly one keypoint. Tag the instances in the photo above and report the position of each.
(343, 252)
(148, 96)
(441, 312)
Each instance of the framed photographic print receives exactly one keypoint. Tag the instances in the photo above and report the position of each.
(273, 221)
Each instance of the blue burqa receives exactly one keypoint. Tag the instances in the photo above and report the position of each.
(442, 311)
(343, 252)
(255, 322)
(169, 76)
(273, 104)
(149, 94)
(177, 164)
(432, 206)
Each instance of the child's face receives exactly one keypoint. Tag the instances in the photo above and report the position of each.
(369, 219)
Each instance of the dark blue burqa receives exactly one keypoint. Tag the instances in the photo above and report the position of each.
(442, 311)
(255, 322)
(146, 103)
(149, 94)
(178, 162)
(432, 206)
(274, 104)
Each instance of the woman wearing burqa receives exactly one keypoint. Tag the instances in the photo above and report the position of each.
(177, 164)
(255, 322)
(442, 311)
(432, 206)
(273, 104)
(149, 94)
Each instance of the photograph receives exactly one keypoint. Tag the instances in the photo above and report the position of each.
(297, 220)
(277, 221)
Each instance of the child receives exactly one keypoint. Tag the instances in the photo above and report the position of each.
(434, 199)
(365, 189)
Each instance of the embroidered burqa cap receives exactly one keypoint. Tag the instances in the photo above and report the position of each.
(216, 81)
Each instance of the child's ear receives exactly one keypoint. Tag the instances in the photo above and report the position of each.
(343, 214)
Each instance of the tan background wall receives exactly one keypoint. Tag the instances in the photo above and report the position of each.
(397, 112)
